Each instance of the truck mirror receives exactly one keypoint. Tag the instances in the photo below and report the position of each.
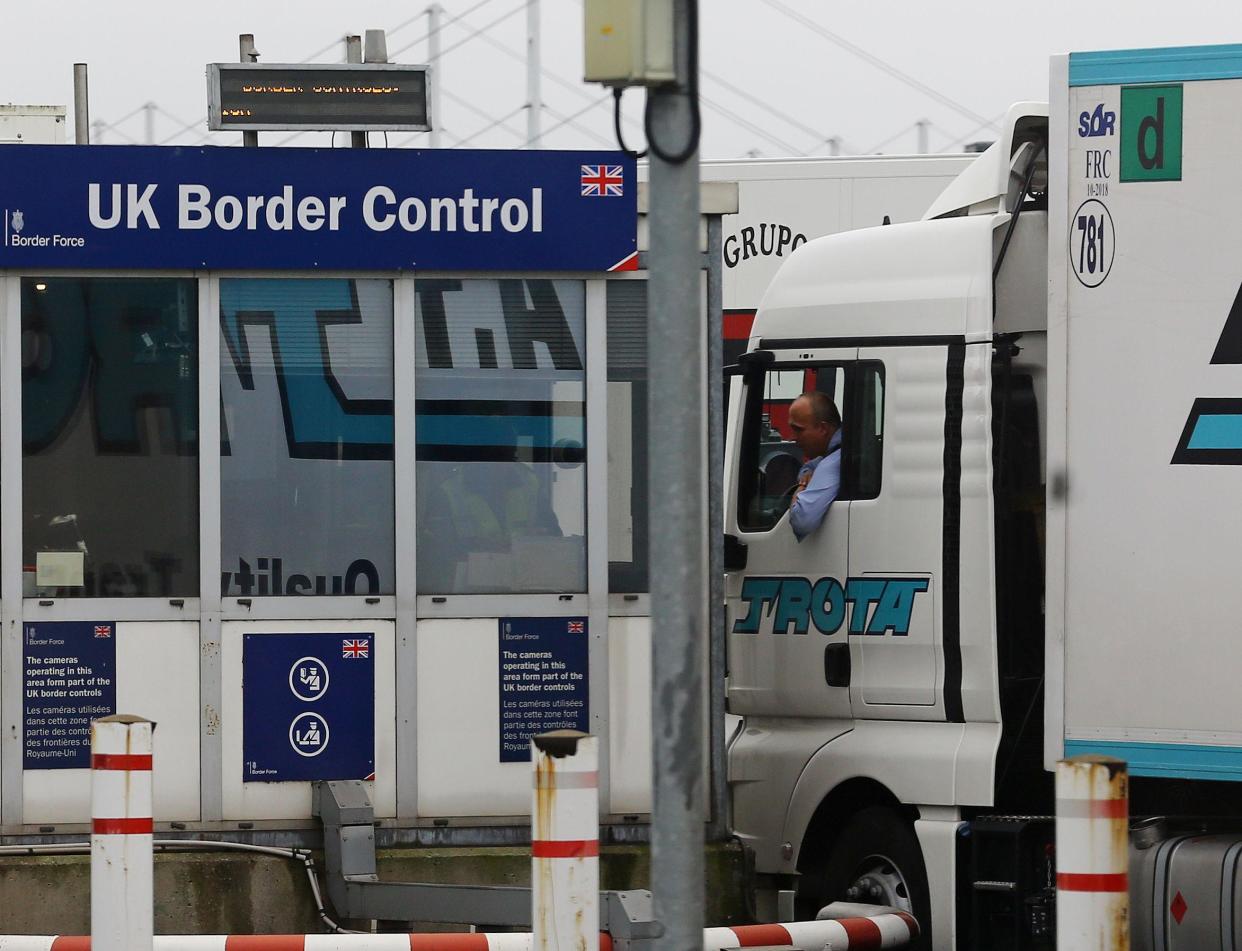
(753, 364)
(734, 553)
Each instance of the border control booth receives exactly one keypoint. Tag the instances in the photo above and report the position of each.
(332, 463)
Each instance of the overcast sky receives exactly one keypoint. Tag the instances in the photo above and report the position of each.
(780, 77)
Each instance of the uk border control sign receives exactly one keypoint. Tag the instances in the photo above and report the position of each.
(308, 707)
(226, 208)
(69, 679)
(543, 681)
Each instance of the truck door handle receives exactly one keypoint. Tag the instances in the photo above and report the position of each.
(837, 665)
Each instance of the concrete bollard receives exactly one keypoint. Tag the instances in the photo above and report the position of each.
(122, 899)
(1093, 886)
(564, 848)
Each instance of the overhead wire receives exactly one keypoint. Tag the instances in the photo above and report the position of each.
(965, 139)
(875, 61)
(892, 138)
(750, 126)
(563, 83)
(471, 35)
(485, 129)
(767, 107)
(569, 120)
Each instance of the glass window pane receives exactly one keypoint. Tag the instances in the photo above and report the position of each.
(501, 436)
(627, 437)
(109, 437)
(306, 471)
(867, 442)
(771, 459)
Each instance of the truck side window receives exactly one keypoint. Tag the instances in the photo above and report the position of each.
(770, 459)
(863, 443)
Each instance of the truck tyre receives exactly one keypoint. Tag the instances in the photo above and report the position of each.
(875, 860)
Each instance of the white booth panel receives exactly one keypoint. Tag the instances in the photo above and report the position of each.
(156, 678)
(292, 800)
(459, 768)
(629, 714)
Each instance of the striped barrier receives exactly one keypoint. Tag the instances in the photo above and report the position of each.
(1093, 837)
(122, 886)
(846, 934)
(877, 931)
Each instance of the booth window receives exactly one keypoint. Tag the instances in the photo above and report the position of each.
(627, 437)
(109, 437)
(501, 436)
(306, 470)
(771, 460)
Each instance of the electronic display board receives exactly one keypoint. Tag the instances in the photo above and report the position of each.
(342, 96)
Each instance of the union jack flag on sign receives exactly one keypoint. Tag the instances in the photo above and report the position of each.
(103, 630)
(599, 181)
(577, 627)
(355, 648)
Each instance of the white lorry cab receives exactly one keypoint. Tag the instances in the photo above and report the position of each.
(1031, 552)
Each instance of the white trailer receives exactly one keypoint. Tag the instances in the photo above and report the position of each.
(1042, 408)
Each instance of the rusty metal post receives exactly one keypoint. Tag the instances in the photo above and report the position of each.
(1093, 883)
(122, 890)
(564, 846)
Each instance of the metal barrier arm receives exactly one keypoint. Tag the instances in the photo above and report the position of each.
(356, 891)
(354, 886)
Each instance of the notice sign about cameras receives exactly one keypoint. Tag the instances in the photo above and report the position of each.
(69, 679)
(308, 707)
(543, 681)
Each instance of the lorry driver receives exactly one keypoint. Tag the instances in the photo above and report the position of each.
(816, 426)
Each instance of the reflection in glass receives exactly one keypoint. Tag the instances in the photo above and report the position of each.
(501, 436)
(306, 471)
(109, 437)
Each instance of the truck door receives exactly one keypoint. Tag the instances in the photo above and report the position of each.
(896, 527)
(788, 646)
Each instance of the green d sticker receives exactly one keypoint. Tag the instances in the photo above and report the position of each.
(1151, 133)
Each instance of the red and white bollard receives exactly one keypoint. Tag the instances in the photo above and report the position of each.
(1093, 839)
(564, 848)
(122, 899)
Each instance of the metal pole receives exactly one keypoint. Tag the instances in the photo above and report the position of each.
(122, 890)
(375, 47)
(534, 101)
(717, 656)
(922, 125)
(436, 77)
(677, 468)
(564, 842)
(149, 110)
(1093, 889)
(81, 106)
(834, 145)
(248, 54)
(99, 125)
(353, 54)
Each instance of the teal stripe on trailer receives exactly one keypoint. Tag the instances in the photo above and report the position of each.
(1174, 64)
(1166, 760)
(1223, 431)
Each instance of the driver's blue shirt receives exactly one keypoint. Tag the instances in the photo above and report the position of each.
(812, 503)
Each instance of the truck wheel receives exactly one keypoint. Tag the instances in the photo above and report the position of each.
(876, 860)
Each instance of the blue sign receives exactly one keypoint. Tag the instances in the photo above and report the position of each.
(543, 681)
(69, 673)
(169, 207)
(308, 707)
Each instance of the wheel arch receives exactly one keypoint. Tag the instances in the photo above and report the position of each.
(837, 808)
